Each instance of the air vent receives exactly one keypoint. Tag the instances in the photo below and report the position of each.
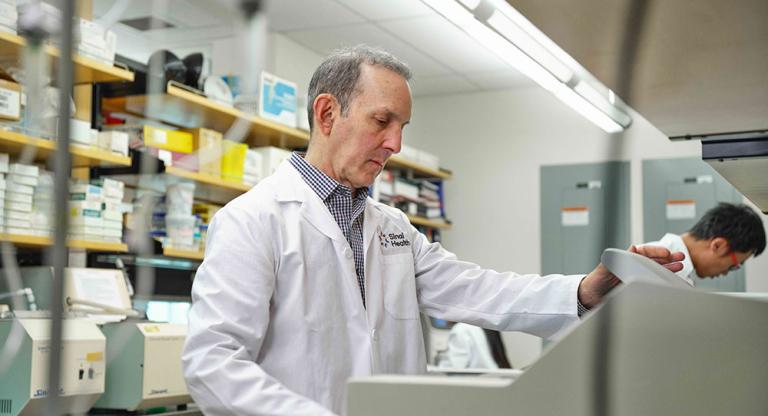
(147, 23)
(5, 406)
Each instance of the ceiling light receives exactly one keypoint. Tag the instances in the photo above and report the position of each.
(504, 31)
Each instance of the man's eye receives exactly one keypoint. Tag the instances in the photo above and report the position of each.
(382, 122)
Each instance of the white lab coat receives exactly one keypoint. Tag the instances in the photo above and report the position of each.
(467, 348)
(673, 243)
(277, 324)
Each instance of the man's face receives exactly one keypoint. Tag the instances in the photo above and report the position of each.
(372, 130)
(715, 265)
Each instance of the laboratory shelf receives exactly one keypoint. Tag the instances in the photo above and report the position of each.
(37, 241)
(86, 70)
(207, 187)
(184, 108)
(206, 179)
(418, 169)
(182, 253)
(440, 224)
(17, 144)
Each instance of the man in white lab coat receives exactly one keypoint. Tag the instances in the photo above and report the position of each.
(721, 241)
(307, 282)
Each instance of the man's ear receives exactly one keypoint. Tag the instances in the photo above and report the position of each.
(719, 246)
(325, 107)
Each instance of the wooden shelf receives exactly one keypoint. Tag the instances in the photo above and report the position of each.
(86, 70)
(207, 187)
(441, 224)
(37, 241)
(16, 143)
(184, 254)
(399, 162)
(183, 108)
(203, 178)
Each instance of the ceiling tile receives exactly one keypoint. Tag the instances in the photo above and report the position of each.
(509, 78)
(446, 43)
(376, 10)
(441, 84)
(324, 41)
(305, 14)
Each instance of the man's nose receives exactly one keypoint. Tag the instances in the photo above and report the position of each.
(394, 140)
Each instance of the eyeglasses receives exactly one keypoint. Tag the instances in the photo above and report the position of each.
(736, 264)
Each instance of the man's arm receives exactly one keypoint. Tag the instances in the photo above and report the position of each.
(600, 281)
(228, 321)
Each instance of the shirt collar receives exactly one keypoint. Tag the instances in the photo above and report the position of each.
(323, 185)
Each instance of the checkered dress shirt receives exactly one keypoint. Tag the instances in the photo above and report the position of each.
(346, 209)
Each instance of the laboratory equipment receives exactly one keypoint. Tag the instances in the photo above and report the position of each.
(144, 366)
(648, 350)
(24, 374)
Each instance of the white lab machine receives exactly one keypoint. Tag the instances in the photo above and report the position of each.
(144, 366)
(24, 365)
(650, 349)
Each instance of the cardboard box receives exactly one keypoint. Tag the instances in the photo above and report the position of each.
(208, 145)
(233, 160)
(10, 100)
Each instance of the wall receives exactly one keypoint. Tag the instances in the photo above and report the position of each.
(495, 143)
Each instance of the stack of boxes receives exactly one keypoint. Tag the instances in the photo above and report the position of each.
(8, 16)
(252, 169)
(95, 42)
(112, 209)
(3, 185)
(96, 210)
(19, 190)
(43, 205)
(180, 224)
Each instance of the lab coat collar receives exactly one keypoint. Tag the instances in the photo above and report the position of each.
(291, 187)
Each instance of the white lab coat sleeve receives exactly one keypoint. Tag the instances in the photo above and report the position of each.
(461, 291)
(228, 321)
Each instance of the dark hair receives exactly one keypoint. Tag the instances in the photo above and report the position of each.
(738, 224)
(338, 74)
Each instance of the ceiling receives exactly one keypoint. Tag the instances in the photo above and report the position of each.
(443, 58)
(701, 66)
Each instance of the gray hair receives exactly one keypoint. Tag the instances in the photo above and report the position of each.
(338, 74)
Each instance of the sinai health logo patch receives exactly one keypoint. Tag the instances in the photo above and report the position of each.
(393, 242)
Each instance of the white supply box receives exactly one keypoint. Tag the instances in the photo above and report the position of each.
(24, 170)
(278, 99)
(22, 179)
(114, 141)
(271, 158)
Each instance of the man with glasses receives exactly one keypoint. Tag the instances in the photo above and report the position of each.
(720, 242)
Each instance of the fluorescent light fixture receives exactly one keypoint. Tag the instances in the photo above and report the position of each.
(508, 34)
(517, 36)
(582, 106)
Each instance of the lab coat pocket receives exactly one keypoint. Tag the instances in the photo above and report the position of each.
(400, 286)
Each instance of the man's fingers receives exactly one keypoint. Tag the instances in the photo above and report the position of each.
(674, 267)
(660, 255)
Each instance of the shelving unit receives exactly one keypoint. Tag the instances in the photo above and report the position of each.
(86, 70)
(184, 254)
(439, 224)
(418, 169)
(15, 144)
(41, 242)
(181, 107)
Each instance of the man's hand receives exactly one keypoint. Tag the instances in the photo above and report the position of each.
(600, 281)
